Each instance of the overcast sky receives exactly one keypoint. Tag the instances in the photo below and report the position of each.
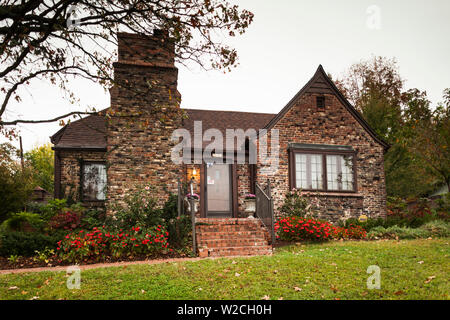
(281, 51)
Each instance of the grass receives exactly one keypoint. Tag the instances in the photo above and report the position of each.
(335, 270)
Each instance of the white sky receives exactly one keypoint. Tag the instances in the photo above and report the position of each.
(279, 54)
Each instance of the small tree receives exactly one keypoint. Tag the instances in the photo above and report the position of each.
(41, 162)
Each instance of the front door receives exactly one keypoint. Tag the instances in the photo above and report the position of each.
(218, 190)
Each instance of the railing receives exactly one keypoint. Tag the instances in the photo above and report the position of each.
(181, 210)
(264, 208)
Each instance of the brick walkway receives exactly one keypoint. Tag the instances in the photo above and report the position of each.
(106, 265)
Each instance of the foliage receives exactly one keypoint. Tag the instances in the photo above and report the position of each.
(419, 136)
(140, 209)
(52, 208)
(16, 184)
(93, 218)
(41, 161)
(430, 229)
(295, 228)
(22, 220)
(24, 243)
(66, 220)
(44, 255)
(179, 228)
(296, 204)
(100, 243)
(13, 258)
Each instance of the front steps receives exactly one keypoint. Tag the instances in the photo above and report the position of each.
(231, 237)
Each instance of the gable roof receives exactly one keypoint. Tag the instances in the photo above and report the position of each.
(90, 132)
(321, 83)
(86, 133)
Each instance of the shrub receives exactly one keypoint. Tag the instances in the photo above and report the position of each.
(140, 210)
(294, 228)
(52, 208)
(179, 228)
(296, 204)
(66, 220)
(351, 232)
(99, 243)
(437, 228)
(23, 221)
(24, 244)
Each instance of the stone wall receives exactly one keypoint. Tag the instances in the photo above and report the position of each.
(71, 162)
(332, 125)
(144, 112)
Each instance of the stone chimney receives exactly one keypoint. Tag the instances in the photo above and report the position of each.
(143, 114)
(145, 72)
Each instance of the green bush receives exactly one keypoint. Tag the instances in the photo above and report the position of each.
(21, 220)
(435, 228)
(25, 244)
(296, 204)
(140, 210)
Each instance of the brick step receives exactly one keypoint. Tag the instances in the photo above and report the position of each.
(227, 221)
(240, 251)
(231, 235)
(220, 243)
(226, 228)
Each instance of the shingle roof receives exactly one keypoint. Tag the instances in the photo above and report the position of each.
(90, 132)
(86, 133)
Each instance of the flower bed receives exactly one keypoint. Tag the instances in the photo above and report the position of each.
(99, 243)
(294, 228)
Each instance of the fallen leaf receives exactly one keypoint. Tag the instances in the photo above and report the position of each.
(237, 274)
(266, 297)
(398, 292)
(142, 291)
(429, 279)
(298, 289)
(34, 298)
(280, 298)
(13, 288)
(420, 262)
(200, 289)
(275, 271)
(233, 262)
(24, 292)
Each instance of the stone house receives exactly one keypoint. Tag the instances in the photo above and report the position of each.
(325, 146)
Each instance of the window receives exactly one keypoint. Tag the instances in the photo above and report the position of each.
(323, 171)
(94, 181)
(320, 101)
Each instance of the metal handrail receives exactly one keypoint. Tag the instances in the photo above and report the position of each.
(266, 216)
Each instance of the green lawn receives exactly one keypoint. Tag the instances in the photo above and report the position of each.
(410, 269)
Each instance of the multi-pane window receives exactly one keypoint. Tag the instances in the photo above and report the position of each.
(333, 172)
(308, 168)
(94, 181)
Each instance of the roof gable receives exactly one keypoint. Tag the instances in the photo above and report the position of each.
(321, 83)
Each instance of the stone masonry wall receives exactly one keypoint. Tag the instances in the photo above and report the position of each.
(144, 112)
(333, 125)
(71, 171)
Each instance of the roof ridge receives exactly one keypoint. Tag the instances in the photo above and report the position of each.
(212, 110)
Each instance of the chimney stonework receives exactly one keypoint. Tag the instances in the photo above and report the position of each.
(145, 109)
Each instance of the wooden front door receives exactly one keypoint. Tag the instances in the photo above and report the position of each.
(218, 190)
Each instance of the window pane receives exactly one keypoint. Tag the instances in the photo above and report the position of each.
(316, 171)
(340, 172)
(308, 171)
(300, 171)
(332, 173)
(94, 181)
(347, 172)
